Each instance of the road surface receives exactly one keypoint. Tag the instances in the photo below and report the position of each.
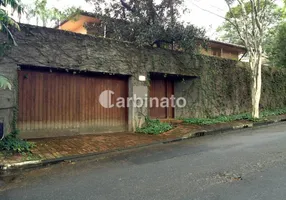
(244, 164)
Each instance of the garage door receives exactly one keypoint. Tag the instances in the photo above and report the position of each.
(68, 102)
(161, 88)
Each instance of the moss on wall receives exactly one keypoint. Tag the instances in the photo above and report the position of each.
(273, 88)
(222, 86)
(221, 89)
(224, 89)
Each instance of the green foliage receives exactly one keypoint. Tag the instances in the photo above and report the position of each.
(236, 12)
(13, 144)
(5, 83)
(274, 112)
(230, 118)
(277, 51)
(39, 10)
(148, 22)
(154, 127)
(217, 120)
(7, 22)
(4, 48)
(228, 33)
(283, 9)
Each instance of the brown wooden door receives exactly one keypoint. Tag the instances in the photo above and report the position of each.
(159, 89)
(63, 101)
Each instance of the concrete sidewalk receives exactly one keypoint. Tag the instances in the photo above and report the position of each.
(53, 150)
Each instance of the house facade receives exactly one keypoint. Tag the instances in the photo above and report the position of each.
(224, 50)
(88, 23)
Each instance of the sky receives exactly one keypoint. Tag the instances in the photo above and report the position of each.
(196, 15)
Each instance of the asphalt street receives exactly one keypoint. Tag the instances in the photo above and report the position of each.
(245, 164)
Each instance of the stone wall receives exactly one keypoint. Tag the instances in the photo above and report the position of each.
(48, 47)
(52, 48)
(7, 97)
(212, 86)
(274, 88)
(221, 89)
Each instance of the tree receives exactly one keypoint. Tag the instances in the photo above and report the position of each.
(6, 23)
(149, 22)
(251, 25)
(283, 10)
(277, 51)
(39, 10)
(228, 33)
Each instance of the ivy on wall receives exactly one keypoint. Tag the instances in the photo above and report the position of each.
(224, 88)
(273, 88)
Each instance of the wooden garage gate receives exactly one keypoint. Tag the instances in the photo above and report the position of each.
(161, 88)
(64, 101)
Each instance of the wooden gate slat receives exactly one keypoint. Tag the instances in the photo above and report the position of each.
(161, 88)
(64, 101)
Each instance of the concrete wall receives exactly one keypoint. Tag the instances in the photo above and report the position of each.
(221, 86)
(51, 48)
(8, 98)
(221, 89)
(189, 90)
(60, 49)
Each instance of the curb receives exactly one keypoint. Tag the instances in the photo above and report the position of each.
(265, 123)
(38, 163)
(20, 164)
(201, 133)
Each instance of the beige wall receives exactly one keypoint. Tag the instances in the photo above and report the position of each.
(224, 53)
(230, 55)
(81, 30)
(77, 25)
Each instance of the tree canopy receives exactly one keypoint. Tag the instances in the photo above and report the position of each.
(5, 20)
(44, 15)
(228, 32)
(277, 49)
(252, 20)
(150, 22)
(6, 23)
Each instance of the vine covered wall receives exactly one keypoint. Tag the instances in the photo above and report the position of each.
(212, 86)
(274, 88)
(223, 88)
